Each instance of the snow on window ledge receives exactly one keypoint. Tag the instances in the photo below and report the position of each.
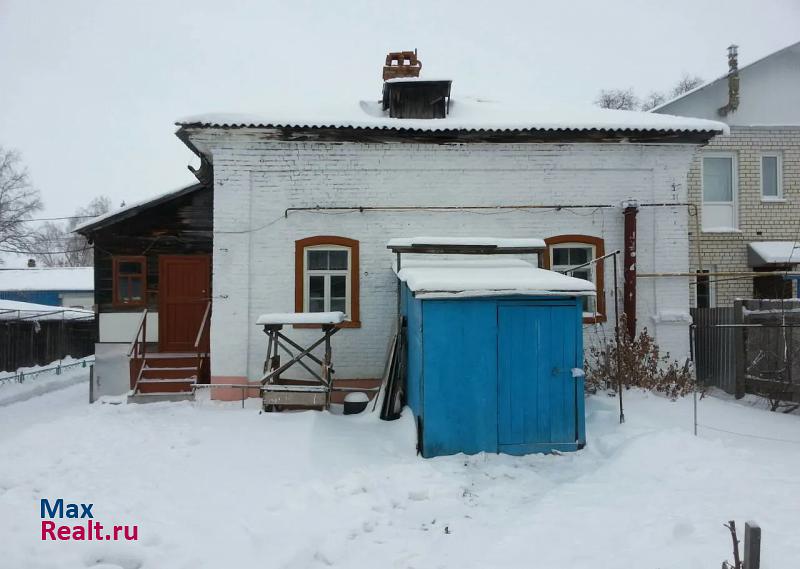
(720, 230)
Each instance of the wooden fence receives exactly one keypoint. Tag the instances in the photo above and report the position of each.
(25, 343)
(752, 347)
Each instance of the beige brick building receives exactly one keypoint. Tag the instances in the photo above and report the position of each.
(760, 218)
(745, 186)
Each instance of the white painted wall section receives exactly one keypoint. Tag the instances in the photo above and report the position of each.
(256, 180)
(122, 326)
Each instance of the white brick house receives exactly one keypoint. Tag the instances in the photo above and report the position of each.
(746, 184)
(352, 182)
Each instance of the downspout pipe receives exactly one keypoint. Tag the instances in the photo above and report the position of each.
(630, 209)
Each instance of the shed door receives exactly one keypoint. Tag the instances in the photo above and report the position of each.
(536, 390)
(184, 282)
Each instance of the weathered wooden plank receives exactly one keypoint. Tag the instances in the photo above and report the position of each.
(183, 226)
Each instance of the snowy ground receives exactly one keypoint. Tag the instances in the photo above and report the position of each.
(212, 486)
(38, 380)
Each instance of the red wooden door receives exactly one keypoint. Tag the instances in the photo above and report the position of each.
(184, 287)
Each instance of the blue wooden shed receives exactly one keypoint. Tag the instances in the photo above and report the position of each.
(494, 356)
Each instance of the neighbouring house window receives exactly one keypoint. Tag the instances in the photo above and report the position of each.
(705, 290)
(773, 286)
(720, 189)
(130, 281)
(771, 177)
(326, 276)
(566, 254)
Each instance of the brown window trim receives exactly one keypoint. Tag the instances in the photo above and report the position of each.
(299, 250)
(116, 260)
(599, 251)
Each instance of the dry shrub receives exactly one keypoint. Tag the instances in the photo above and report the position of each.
(638, 363)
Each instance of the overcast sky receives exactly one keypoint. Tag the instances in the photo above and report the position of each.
(90, 90)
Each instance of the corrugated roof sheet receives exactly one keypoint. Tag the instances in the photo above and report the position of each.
(474, 115)
(15, 310)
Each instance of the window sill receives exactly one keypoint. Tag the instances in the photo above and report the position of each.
(348, 324)
(720, 230)
(773, 200)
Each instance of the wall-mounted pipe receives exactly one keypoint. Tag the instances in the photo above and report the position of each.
(631, 208)
(557, 207)
(361, 209)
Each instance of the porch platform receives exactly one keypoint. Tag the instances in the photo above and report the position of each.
(160, 397)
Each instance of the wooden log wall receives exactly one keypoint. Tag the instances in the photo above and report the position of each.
(182, 226)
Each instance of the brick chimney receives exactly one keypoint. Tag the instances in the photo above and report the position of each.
(401, 64)
(733, 81)
(406, 96)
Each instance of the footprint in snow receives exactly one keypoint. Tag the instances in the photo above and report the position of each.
(114, 562)
(418, 495)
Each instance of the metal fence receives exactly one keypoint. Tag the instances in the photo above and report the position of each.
(715, 347)
(21, 376)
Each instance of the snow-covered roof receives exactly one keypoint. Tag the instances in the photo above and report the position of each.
(531, 243)
(274, 318)
(47, 278)
(133, 208)
(691, 92)
(773, 253)
(15, 310)
(468, 114)
(436, 278)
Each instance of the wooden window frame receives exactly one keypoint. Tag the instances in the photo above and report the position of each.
(599, 269)
(300, 247)
(116, 260)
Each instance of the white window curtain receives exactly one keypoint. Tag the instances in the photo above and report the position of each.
(771, 178)
(720, 193)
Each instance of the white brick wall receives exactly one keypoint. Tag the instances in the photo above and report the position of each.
(257, 179)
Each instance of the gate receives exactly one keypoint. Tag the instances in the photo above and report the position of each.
(715, 347)
(751, 347)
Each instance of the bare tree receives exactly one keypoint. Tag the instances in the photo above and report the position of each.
(685, 83)
(57, 245)
(653, 99)
(626, 99)
(19, 200)
(619, 99)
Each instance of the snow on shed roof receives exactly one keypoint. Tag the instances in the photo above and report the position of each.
(468, 114)
(429, 278)
(47, 278)
(300, 318)
(472, 241)
(135, 207)
(773, 253)
(15, 310)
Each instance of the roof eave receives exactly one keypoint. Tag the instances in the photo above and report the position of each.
(91, 227)
(591, 134)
